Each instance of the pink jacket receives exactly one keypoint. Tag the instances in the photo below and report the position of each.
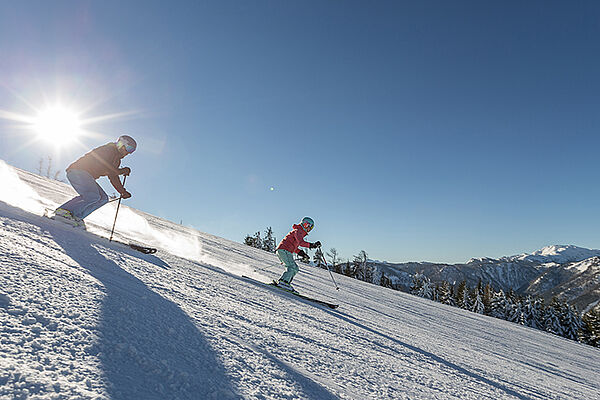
(294, 239)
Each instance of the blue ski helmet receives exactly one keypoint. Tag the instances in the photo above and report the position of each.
(307, 224)
(127, 142)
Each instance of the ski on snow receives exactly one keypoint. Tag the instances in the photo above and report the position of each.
(274, 284)
(66, 221)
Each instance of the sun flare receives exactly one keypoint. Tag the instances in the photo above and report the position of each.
(57, 124)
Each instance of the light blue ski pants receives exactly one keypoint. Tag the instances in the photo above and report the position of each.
(287, 259)
(91, 196)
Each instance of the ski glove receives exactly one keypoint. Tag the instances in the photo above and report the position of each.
(302, 254)
(125, 171)
(125, 195)
(315, 245)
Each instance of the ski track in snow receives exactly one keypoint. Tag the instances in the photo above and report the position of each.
(88, 319)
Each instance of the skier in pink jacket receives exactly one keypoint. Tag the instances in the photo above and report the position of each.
(289, 245)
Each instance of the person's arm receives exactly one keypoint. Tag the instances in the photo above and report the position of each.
(112, 171)
(301, 241)
(116, 182)
(125, 171)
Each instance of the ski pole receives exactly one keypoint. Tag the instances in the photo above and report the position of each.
(325, 261)
(117, 213)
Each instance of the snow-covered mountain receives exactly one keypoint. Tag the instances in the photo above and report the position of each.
(559, 254)
(576, 282)
(83, 318)
(566, 271)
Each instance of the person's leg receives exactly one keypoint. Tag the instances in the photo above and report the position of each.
(287, 259)
(75, 178)
(89, 193)
(90, 208)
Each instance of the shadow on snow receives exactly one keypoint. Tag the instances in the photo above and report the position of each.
(149, 348)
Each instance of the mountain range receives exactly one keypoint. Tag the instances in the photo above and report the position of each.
(569, 272)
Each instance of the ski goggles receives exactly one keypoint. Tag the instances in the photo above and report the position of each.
(128, 148)
(307, 226)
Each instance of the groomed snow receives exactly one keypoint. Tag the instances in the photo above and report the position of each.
(88, 319)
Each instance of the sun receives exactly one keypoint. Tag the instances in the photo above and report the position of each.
(57, 125)
(60, 124)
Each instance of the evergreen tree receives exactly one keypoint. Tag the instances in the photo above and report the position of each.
(254, 241)
(539, 312)
(268, 243)
(318, 258)
(416, 284)
(249, 240)
(427, 289)
(488, 293)
(477, 300)
(348, 270)
(552, 318)
(514, 311)
(461, 297)
(385, 281)
(531, 316)
(339, 268)
(445, 293)
(590, 331)
(258, 240)
(570, 321)
(499, 305)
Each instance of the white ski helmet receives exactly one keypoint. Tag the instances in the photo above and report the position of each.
(127, 142)
(307, 224)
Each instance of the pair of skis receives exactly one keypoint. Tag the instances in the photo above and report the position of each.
(81, 225)
(313, 300)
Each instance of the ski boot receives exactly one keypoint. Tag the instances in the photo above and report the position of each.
(286, 286)
(67, 217)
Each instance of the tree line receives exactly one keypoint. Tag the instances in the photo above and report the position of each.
(558, 317)
(46, 168)
(266, 243)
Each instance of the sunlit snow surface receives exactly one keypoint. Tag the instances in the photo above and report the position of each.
(88, 319)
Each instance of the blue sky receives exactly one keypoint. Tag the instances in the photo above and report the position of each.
(416, 131)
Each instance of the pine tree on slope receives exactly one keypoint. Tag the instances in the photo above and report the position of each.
(590, 331)
(488, 293)
(268, 243)
(498, 305)
(477, 302)
(445, 293)
(427, 290)
(551, 318)
(570, 321)
(462, 296)
(530, 315)
(416, 284)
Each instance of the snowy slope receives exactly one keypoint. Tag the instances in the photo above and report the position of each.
(85, 318)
